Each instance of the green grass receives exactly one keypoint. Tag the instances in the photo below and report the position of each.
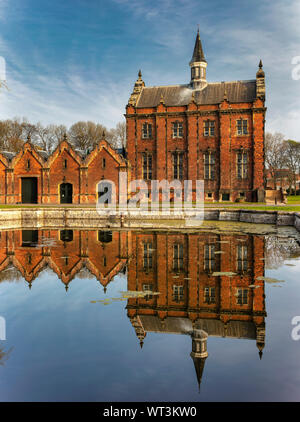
(293, 199)
(295, 208)
(292, 206)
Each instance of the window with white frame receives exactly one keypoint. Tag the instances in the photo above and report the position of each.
(147, 165)
(209, 128)
(242, 164)
(177, 293)
(177, 130)
(209, 165)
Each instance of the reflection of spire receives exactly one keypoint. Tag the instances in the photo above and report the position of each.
(260, 340)
(139, 329)
(199, 352)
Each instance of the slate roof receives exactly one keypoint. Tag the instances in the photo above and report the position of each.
(198, 55)
(8, 155)
(213, 327)
(213, 93)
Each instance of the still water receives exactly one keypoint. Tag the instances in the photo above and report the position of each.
(99, 315)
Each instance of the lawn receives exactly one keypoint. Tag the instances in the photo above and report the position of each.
(293, 199)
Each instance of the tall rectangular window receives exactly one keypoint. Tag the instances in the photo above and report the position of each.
(147, 165)
(209, 128)
(177, 129)
(209, 295)
(177, 165)
(209, 258)
(147, 256)
(242, 165)
(177, 293)
(242, 126)
(147, 131)
(209, 165)
(242, 258)
(242, 296)
(177, 257)
(148, 288)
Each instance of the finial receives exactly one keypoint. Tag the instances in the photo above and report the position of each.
(260, 354)
(103, 134)
(65, 137)
(225, 95)
(105, 289)
(260, 65)
(30, 285)
(162, 101)
(66, 287)
(140, 73)
(28, 138)
(141, 344)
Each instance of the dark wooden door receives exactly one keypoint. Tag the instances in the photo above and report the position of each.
(29, 190)
(66, 193)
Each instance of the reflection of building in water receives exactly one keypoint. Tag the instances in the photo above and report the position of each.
(67, 252)
(190, 272)
(197, 296)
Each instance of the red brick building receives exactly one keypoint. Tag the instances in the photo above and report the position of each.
(66, 176)
(200, 131)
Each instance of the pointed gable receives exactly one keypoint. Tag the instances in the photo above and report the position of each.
(28, 159)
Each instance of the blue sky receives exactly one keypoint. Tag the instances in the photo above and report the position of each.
(78, 59)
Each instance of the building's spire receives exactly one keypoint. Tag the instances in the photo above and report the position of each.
(260, 82)
(199, 352)
(138, 86)
(198, 66)
(198, 54)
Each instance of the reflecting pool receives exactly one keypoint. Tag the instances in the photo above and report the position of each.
(100, 315)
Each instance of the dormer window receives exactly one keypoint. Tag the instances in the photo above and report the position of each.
(147, 131)
(177, 130)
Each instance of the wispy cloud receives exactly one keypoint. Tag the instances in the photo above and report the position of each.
(157, 36)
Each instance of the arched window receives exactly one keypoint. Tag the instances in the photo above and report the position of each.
(104, 236)
(66, 235)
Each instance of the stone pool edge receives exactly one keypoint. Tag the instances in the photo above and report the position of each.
(89, 217)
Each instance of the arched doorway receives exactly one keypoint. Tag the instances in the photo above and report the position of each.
(66, 193)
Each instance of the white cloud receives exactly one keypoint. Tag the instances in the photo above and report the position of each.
(235, 47)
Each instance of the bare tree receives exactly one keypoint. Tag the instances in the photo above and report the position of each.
(292, 160)
(11, 135)
(275, 154)
(49, 136)
(85, 134)
(118, 135)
